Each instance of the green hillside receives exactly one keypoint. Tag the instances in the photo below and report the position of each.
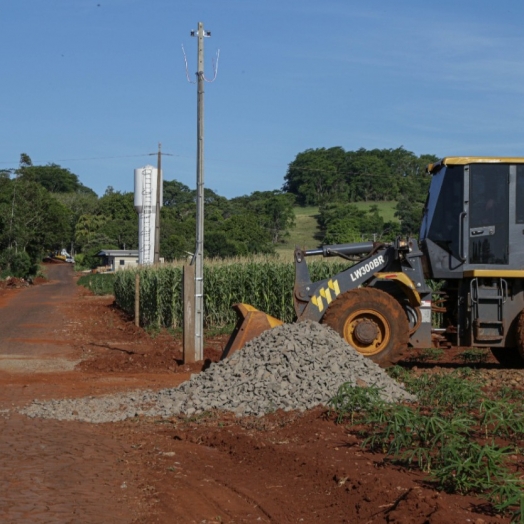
(386, 209)
(306, 232)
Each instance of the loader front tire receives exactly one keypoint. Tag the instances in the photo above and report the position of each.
(372, 322)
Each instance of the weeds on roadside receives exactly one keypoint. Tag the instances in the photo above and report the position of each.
(510, 393)
(351, 400)
(473, 356)
(431, 354)
(499, 417)
(153, 330)
(441, 435)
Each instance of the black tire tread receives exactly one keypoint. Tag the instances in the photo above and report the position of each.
(366, 298)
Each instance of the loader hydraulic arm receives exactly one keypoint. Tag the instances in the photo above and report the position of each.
(311, 299)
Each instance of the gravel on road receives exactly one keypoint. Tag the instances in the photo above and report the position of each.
(291, 367)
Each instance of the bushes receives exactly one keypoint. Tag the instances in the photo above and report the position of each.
(17, 263)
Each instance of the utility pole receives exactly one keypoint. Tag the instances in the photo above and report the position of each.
(198, 258)
(156, 255)
(156, 258)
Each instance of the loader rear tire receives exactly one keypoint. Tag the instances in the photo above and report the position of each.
(512, 357)
(508, 357)
(520, 336)
(372, 322)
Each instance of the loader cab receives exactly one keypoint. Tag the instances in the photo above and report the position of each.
(474, 216)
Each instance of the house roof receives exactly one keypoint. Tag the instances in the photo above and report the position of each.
(132, 253)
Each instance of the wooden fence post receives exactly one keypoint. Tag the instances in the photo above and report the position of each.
(188, 300)
(137, 300)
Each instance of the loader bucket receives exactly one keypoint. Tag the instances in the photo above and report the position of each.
(250, 323)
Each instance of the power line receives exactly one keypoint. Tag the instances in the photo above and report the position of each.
(88, 158)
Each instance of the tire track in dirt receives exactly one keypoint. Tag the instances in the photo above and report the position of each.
(64, 473)
(51, 471)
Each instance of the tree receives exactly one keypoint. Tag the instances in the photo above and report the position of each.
(25, 160)
(409, 212)
(237, 235)
(317, 176)
(87, 227)
(31, 220)
(176, 194)
(54, 178)
(122, 233)
(117, 205)
(274, 210)
(370, 177)
(344, 223)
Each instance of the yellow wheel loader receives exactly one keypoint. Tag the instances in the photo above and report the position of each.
(471, 250)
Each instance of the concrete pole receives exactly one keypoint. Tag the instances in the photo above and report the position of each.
(199, 248)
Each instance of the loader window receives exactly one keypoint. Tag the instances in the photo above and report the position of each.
(519, 195)
(489, 214)
(444, 227)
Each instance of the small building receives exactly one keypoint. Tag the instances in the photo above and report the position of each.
(115, 259)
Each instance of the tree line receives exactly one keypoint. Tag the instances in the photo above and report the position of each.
(47, 208)
(335, 179)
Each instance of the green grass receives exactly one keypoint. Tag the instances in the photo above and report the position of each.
(98, 283)
(306, 232)
(385, 209)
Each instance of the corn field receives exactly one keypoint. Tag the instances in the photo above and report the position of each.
(266, 284)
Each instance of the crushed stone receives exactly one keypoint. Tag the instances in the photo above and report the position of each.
(290, 367)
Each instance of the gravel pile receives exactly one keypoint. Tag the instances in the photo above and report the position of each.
(294, 366)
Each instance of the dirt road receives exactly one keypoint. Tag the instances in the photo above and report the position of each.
(58, 341)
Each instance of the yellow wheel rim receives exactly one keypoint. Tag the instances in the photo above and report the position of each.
(375, 328)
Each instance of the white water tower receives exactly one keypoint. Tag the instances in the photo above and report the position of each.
(146, 183)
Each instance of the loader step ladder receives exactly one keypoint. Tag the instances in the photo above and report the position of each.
(487, 310)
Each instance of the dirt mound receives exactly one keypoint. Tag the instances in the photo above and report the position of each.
(111, 343)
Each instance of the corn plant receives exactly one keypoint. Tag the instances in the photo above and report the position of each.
(441, 435)
(265, 283)
(431, 354)
(468, 467)
(507, 495)
(446, 391)
(501, 418)
(510, 393)
(99, 284)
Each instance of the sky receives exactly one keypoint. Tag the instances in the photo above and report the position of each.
(96, 85)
